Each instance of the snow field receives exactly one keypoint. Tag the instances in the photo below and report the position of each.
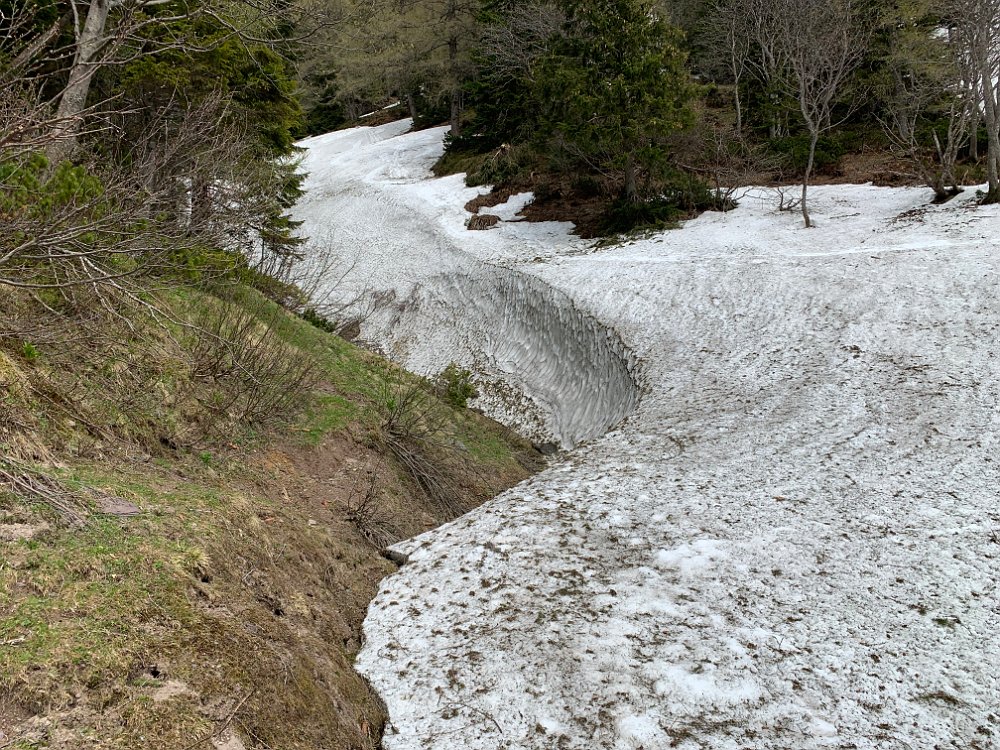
(790, 542)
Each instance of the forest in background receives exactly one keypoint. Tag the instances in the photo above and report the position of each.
(196, 475)
(161, 132)
(654, 109)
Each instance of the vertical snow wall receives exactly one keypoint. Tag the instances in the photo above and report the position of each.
(559, 374)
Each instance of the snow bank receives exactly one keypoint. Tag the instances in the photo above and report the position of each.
(548, 368)
(793, 540)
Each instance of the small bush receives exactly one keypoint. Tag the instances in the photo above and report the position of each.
(689, 193)
(29, 351)
(201, 265)
(456, 387)
(503, 165)
(256, 378)
(316, 320)
(625, 216)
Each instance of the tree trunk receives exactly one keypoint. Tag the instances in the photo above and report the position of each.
(739, 109)
(201, 203)
(631, 180)
(456, 114)
(992, 121)
(805, 181)
(74, 98)
(411, 102)
(974, 130)
(456, 93)
(993, 171)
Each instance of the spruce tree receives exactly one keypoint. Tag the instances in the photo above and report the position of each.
(614, 88)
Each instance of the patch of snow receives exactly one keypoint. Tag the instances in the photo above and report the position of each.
(791, 542)
(510, 210)
(383, 109)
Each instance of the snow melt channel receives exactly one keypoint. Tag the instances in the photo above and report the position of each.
(792, 543)
(530, 340)
(545, 367)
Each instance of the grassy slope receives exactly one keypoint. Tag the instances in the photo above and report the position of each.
(233, 601)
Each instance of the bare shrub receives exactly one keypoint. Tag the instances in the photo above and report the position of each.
(23, 481)
(413, 431)
(365, 509)
(727, 161)
(257, 378)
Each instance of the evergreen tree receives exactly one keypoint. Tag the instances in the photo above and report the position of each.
(614, 87)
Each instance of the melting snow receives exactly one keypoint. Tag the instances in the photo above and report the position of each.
(790, 542)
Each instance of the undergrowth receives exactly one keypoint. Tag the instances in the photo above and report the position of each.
(195, 490)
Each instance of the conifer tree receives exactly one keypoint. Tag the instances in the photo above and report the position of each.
(614, 87)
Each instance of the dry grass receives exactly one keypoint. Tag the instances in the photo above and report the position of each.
(234, 599)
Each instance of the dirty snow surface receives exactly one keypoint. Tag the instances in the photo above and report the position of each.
(791, 540)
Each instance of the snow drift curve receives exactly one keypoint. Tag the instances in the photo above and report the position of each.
(577, 373)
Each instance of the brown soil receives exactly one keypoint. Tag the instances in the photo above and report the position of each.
(482, 222)
(493, 198)
(585, 211)
(560, 202)
(324, 591)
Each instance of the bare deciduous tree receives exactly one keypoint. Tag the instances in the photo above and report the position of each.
(822, 42)
(975, 29)
(180, 177)
(514, 45)
(732, 18)
(422, 47)
(929, 80)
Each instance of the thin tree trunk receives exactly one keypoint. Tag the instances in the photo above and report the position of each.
(456, 94)
(992, 119)
(993, 171)
(411, 102)
(631, 180)
(456, 114)
(74, 98)
(201, 202)
(974, 130)
(739, 108)
(805, 181)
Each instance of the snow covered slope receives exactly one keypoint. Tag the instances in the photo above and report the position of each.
(793, 541)
(427, 301)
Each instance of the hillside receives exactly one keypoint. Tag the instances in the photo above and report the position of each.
(176, 575)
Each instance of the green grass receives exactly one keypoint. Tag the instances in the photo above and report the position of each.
(327, 415)
(457, 163)
(87, 610)
(85, 602)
